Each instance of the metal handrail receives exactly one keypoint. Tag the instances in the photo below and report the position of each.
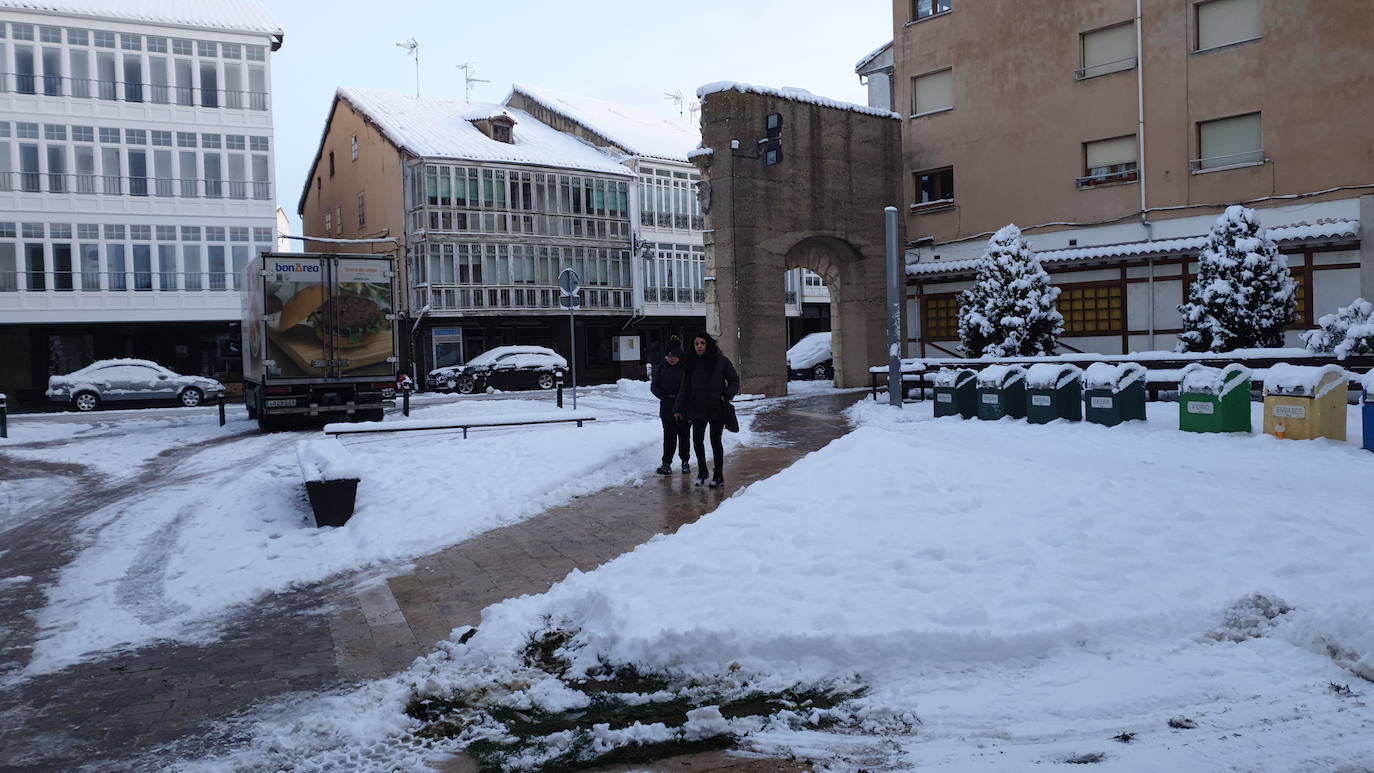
(1119, 65)
(130, 280)
(1125, 175)
(1244, 158)
(131, 91)
(117, 185)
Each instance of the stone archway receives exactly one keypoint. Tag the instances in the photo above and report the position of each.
(820, 208)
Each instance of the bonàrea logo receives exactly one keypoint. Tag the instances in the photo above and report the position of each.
(293, 268)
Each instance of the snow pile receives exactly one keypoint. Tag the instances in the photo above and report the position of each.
(634, 130)
(1046, 375)
(1304, 381)
(632, 389)
(1199, 379)
(811, 350)
(1349, 331)
(323, 459)
(1020, 624)
(952, 377)
(1000, 376)
(1010, 310)
(1102, 375)
(793, 94)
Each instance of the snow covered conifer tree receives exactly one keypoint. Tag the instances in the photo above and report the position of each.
(1349, 331)
(1243, 295)
(1010, 310)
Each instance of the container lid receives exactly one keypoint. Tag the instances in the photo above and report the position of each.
(953, 377)
(1304, 380)
(1116, 377)
(1000, 376)
(1200, 379)
(1052, 375)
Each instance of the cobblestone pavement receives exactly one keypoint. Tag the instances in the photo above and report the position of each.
(99, 715)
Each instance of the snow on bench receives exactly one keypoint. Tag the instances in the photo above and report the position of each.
(498, 420)
(325, 459)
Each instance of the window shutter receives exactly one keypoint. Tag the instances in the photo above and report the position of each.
(933, 92)
(1119, 150)
(1221, 22)
(1109, 50)
(1238, 140)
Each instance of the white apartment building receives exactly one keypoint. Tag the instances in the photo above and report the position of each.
(136, 178)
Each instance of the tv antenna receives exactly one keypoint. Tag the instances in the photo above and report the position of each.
(468, 80)
(411, 47)
(677, 99)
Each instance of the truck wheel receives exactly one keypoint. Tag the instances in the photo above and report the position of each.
(268, 423)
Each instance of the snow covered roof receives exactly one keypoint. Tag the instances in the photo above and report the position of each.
(232, 15)
(634, 130)
(488, 112)
(794, 94)
(874, 54)
(1334, 229)
(440, 128)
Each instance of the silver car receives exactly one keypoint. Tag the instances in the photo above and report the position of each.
(130, 381)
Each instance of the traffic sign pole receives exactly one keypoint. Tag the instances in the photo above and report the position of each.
(569, 282)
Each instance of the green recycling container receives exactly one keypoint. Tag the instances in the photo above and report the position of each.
(1001, 392)
(1114, 393)
(1053, 391)
(956, 393)
(1214, 399)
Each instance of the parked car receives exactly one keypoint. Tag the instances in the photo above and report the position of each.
(505, 367)
(127, 382)
(811, 358)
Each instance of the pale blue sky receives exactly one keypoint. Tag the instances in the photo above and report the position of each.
(630, 51)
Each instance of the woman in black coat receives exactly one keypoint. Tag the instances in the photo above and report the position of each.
(666, 385)
(707, 387)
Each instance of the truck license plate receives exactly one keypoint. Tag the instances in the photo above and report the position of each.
(281, 403)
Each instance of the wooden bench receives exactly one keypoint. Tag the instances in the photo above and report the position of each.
(372, 427)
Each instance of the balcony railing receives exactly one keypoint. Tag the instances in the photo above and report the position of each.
(129, 91)
(674, 295)
(113, 185)
(1105, 68)
(1228, 161)
(117, 281)
(515, 298)
(1102, 175)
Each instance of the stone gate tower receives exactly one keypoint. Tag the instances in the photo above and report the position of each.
(818, 206)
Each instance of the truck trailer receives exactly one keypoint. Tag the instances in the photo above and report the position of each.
(319, 337)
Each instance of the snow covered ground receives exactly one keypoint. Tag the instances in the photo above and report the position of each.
(200, 519)
(1009, 596)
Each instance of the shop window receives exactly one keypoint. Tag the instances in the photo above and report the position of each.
(940, 317)
(1092, 309)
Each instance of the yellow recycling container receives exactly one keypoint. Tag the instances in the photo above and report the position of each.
(1305, 402)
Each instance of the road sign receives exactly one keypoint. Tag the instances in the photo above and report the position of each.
(570, 301)
(569, 281)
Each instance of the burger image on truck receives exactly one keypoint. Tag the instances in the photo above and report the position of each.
(319, 337)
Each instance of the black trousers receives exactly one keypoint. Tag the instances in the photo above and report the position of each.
(717, 446)
(675, 439)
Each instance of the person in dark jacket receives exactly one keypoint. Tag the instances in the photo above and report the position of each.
(666, 385)
(708, 385)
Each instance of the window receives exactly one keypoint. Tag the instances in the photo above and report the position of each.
(1107, 51)
(1109, 161)
(1223, 22)
(338, 219)
(501, 132)
(1229, 142)
(934, 188)
(331, 163)
(940, 317)
(328, 222)
(932, 92)
(1093, 309)
(362, 211)
(924, 9)
(355, 147)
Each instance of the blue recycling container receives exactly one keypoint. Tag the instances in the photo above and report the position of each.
(1368, 409)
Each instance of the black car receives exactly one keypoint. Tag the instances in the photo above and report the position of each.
(811, 358)
(505, 368)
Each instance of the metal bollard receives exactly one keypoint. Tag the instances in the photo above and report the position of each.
(405, 402)
(4, 418)
(558, 384)
(222, 419)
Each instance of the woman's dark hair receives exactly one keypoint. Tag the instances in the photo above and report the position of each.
(707, 360)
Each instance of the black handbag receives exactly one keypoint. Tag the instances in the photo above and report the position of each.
(731, 419)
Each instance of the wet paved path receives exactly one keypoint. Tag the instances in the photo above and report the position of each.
(98, 715)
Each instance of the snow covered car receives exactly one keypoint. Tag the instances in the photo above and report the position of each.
(129, 382)
(810, 358)
(505, 367)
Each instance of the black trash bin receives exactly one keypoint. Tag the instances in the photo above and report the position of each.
(331, 480)
(1114, 393)
(1001, 392)
(1053, 391)
(956, 393)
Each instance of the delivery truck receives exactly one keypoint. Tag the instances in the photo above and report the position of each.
(319, 337)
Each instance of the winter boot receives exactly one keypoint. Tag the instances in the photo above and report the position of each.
(701, 481)
(686, 467)
(718, 480)
(664, 469)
